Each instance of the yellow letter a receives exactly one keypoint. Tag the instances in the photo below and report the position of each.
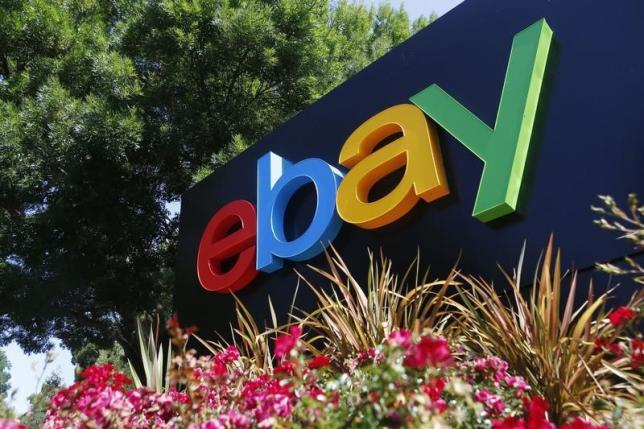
(417, 149)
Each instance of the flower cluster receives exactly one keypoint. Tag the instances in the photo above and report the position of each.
(408, 381)
(617, 346)
(417, 381)
(499, 391)
(104, 399)
(11, 424)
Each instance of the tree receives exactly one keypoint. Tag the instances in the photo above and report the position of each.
(39, 402)
(5, 375)
(5, 386)
(90, 354)
(82, 222)
(110, 109)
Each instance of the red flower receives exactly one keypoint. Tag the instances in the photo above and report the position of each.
(286, 367)
(105, 375)
(434, 388)
(600, 344)
(508, 423)
(190, 330)
(317, 393)
(579, 423)
(637, 353)
(285, 343)
(428, 351)
(173, 322)
(319, 362)
(537, 408)
(219, 369)
(621, 315)
(616, 349)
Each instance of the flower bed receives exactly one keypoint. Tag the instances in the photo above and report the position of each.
(385, 355)
(408, 381)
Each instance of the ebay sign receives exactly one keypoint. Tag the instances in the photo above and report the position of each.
(253, 236)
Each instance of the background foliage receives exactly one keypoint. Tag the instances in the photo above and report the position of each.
(110, 109)
(40, 402)
(5, 386)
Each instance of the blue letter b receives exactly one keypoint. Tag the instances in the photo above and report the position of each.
(277, 181)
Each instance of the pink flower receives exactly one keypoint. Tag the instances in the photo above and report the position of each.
(482, 395)
(517, 382)
(496, 405)
(493, 365)
(428, 351)
(621, 315)
(401, 338)
(493, 403)
(365, 355)
(319, 362)
(285, 342)
(266, 398)
(11, 424)
(440, 405)
(230, 419)
(230, 355)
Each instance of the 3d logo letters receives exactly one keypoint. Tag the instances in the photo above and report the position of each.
(239, 241)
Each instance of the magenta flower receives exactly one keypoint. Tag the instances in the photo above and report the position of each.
(401, 338)
(428, 351)
(319, 362)
(11, 424)
(509, 423)
(285, 342)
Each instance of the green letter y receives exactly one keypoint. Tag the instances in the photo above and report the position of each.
(504, 149)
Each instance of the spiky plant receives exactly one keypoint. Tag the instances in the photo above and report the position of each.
(553, 349)
(155, 367)
(351, 317)
(252, 343)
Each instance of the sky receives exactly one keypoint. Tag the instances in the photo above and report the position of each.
(26, 369)
(416, 8)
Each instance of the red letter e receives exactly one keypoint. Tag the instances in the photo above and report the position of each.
(219, 244)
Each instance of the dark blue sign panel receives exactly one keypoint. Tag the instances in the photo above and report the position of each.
(586, 140)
